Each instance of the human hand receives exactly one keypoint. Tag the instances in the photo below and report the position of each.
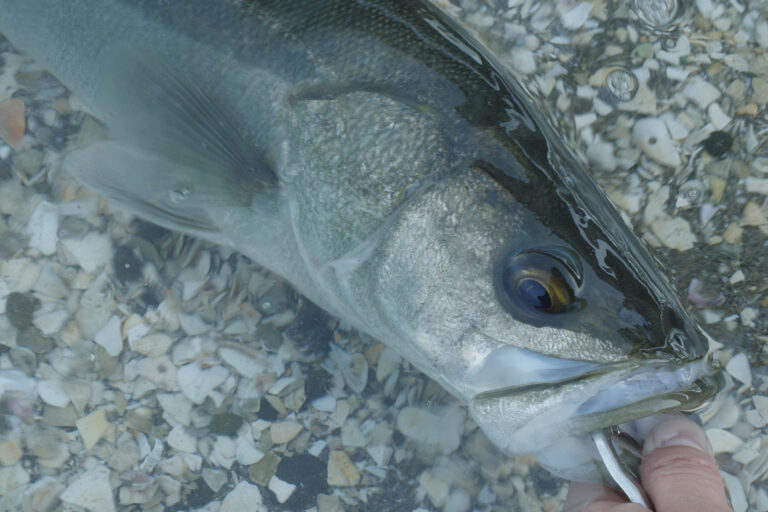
(678, 472)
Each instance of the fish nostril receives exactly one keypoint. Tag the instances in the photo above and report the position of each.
(677, 342)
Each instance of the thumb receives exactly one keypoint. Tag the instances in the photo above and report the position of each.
(679, 471)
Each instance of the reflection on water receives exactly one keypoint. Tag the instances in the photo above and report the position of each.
(142, 368)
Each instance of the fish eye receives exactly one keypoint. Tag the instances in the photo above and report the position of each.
(539, 281)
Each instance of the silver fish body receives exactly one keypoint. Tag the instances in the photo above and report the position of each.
(377, 156)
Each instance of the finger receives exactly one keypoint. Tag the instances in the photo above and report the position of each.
(679, 471)
(584, 497)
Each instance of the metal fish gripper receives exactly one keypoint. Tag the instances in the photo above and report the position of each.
(621, 476)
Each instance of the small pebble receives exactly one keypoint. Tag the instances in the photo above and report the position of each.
(197, 383)
(723, 441)
(43, 495)
(674, 233)
(761, 404)
(180, 439)
(127, 265)
(325, 403)
(437, 489)
(20, 308)
(28, 162)
(748, 453)
(388, 363)
(193, 325)
(700, 92)
(138, 494)
(91, 252)
(33, 339)
(282, 490)
(327, 503)
(718, 143)
(160, 371)
(317, 383)
(262, 471)
(110, 337)
(718, 117)
(458, 500)
(11, 478)
(266, 411)
(23, 359)
(738, 367)
(10, 451)
(270, 336)
(48, 324)
(576, 17)
(354, 368)
(176, 406)
(247, 453)
(43, 228)
(225, 424)
(243, 497)
(92, 427)
(224, 452)
(284, 431)
(283, 386)
(756, 185)
(352, 436)
(214, 478)
(755, 419)
(341, 470)
(522, 60)
(440, 432)
(152, 345)
(247, 364)
(91, 490)
(748, 316)
(735, 492)
(317, 448)
(52, 392)
(752, 215)
(126, 456)
(652, 137)
(309, 329)
(732, 233)
(278, 298)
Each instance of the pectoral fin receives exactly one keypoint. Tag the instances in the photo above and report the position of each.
(157, 189)
(166, 113)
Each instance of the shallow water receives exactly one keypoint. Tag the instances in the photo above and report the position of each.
(665, 102)
(181, 328)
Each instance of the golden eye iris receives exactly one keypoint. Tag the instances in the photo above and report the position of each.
(537, 282)
(543, 289)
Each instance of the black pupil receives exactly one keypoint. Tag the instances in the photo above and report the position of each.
(534, 294)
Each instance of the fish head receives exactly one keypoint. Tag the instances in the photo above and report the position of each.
(531, 301)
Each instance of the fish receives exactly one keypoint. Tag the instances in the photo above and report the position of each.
(380, 158)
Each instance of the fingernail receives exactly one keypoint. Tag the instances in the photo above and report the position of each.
(677, 432)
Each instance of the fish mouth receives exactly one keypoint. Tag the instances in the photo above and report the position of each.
(609, 395)
(697, 384)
